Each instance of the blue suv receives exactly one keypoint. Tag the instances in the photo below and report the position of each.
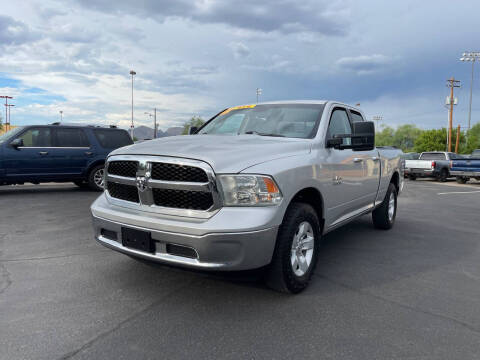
(59, 153)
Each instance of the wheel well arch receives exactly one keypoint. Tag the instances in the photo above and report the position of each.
(314, 198)
(92, 165)
(395, 180)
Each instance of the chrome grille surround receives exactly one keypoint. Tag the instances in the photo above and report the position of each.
(145, 184)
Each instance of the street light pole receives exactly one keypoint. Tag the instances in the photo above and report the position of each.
(470, 56)
(377, 118)
(155, 123)
(259, 92)
(61, 115)
(133, 73)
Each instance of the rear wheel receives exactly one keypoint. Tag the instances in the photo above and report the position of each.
(95, 178)
(384, 216)
(443, 176)
(412, 177)
(296, 250)
(462, 179)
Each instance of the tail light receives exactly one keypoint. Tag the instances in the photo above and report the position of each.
(433, 164)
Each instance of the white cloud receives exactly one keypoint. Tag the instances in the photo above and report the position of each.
(364, 64)
(240, 50)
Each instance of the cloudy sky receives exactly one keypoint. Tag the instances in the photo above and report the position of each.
(198, 57)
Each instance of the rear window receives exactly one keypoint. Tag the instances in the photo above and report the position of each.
(432, 156)
(112, 139)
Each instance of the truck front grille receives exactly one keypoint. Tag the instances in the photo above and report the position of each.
(183, 199)
(123, 168)
(174, 172)
(123, 192)
(163, 185)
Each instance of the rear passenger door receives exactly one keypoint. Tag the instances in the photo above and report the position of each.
(71, 151)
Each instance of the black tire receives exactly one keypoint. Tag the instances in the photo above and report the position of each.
(380, 216)
(477, 178)
(462, 179)
(412, 177)
(443, 176)
(280, 274)
(92, 180)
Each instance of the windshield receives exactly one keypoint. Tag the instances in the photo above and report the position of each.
(10, 134)
(282, 120)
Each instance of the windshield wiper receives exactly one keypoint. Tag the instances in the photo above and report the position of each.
(252, 132)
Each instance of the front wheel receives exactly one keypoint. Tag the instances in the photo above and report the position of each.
(296, 250)
(95, 178)
(384, 216)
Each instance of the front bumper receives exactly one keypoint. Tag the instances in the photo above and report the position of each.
(216, 247)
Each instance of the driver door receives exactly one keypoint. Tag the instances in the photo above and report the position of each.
(345, 171)
(31, 160)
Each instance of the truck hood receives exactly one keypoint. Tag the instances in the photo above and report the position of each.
(225, 153)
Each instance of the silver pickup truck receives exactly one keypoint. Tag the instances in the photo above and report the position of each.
(257, 186)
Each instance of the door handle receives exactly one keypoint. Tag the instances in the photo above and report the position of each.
(375, 158)
(357, 160)
(43, 152)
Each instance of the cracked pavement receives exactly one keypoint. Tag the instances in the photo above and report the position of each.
(409, 293)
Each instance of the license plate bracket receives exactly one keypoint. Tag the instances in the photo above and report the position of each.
(138, 240)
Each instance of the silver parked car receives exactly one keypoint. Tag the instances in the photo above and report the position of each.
(256, 186)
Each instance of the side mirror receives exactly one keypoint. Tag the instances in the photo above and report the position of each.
(364, 136)
(192, 130)
(17, 143)
(362, 139)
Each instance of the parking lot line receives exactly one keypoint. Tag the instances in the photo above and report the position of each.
(458, 192)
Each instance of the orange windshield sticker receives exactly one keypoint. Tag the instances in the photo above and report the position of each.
(238, 108)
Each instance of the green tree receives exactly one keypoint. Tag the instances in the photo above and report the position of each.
(436, 140)
(405, 137)
(195, 121)
(473, 138)
(385, 136)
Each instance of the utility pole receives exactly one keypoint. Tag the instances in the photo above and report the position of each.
(8, 125)
(6, 107)
(154, 123)
(451, 83)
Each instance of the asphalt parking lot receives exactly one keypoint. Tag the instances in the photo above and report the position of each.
(409, 293)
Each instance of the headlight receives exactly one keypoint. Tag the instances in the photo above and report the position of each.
(249, 190)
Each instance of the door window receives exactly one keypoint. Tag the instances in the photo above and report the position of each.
(71, 138)
(37, 137)
(339, 124)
